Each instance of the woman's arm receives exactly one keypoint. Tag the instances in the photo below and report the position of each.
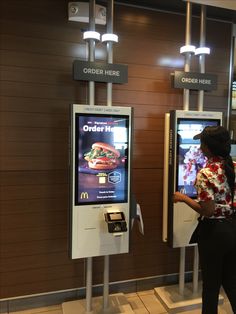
(203, 208)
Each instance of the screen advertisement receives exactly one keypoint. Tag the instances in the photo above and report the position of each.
(189, 155)
(101, 162)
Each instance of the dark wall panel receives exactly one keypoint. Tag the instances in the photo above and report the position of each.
(38, 47)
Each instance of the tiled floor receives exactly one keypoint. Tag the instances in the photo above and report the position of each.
(142, 303)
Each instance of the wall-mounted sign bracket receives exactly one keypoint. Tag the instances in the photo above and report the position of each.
(79, 12)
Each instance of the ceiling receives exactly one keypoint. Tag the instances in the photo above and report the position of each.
(227, 4)
(224, 11)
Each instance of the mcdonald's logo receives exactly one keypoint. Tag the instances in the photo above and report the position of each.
(84, 195)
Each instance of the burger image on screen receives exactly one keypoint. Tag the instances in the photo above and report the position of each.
(102, 156)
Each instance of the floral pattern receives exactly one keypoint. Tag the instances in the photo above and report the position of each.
(211, 184)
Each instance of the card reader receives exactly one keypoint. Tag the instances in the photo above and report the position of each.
(116, 222)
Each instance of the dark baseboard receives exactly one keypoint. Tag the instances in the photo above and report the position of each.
(48, 299)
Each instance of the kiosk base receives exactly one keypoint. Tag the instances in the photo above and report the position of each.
(118, 304)
(174, 302)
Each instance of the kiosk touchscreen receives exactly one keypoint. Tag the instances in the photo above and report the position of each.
(183, 159)
(100, 180)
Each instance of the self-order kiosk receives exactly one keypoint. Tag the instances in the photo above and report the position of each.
(100, 180)
(182, 160)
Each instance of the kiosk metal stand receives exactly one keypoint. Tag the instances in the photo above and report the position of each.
(116, 303)
(187, 296)
(89, 260)
(186, 92)
(110, 10)
(89, 277)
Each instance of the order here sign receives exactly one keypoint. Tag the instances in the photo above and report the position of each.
(197, 81)
(100, 72)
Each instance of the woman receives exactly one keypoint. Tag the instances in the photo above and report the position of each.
(215, 185)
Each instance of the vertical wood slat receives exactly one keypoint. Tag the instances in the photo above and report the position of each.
(36, 88)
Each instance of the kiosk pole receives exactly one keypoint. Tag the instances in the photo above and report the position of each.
(89, 274)
(110, 9)
(200, 108)
(181, 270)
(202, 56)
(195, 269)
(187, 54)
(106, 282)
(185, 107)
(91, 49)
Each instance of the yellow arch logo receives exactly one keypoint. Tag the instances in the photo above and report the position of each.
(84, 195)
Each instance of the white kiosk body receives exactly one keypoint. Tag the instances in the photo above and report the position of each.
(182, 160)
(100, 180)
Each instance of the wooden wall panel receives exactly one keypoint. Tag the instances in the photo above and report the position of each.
(38, 47)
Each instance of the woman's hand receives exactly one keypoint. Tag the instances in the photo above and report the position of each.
(179, 197)
(203, 208)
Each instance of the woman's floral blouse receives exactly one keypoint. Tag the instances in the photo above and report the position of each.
(211, 184)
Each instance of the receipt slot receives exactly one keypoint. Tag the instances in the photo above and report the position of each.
(100, 180)
(116, 222)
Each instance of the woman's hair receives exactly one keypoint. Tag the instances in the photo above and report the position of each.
(217, 140)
